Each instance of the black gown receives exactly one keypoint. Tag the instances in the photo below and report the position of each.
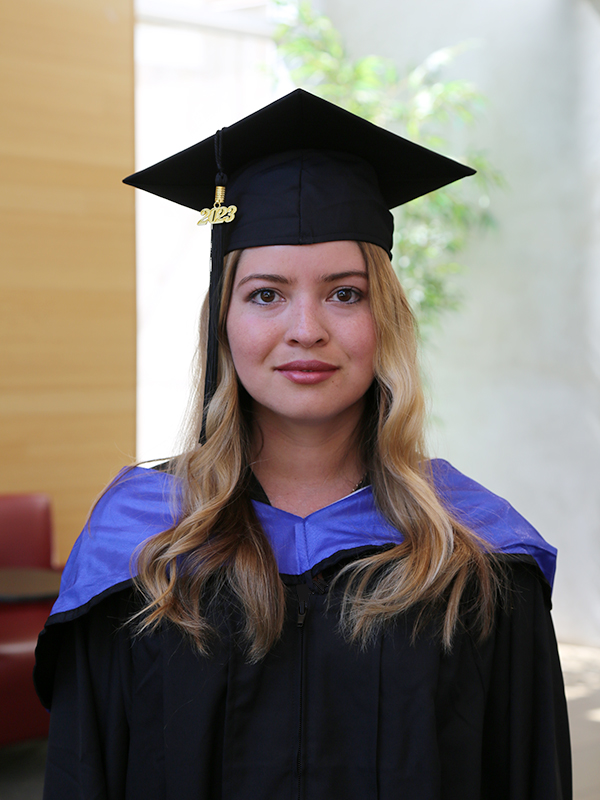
(147, 718)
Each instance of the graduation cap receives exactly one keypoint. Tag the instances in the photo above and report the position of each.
(298, 171)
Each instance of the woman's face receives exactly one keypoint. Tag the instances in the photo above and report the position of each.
(301, 332)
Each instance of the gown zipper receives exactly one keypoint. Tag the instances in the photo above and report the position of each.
(303, 593)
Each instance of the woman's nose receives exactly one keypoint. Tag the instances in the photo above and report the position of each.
(306, 326)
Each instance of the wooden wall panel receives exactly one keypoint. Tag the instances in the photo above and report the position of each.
(67, 269)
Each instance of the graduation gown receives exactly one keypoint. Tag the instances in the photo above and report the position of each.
(148, 718)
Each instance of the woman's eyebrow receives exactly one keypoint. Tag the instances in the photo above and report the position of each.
(329, 278)
(338, 276)
(265, 276)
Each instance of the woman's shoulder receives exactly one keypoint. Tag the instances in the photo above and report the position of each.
(136, 505)
(491, 517)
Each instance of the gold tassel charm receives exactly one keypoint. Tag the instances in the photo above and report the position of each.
(218, 213)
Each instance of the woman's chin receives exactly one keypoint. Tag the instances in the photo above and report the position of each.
(311, 414)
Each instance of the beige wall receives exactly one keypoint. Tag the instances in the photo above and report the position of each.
(67, 269)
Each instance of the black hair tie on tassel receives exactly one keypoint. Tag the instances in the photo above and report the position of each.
(214, 292)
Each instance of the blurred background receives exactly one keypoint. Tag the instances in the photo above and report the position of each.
(101, 293)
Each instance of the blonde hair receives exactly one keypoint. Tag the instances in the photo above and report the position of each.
(219, 546)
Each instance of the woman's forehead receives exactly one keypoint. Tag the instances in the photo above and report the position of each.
(323, 261)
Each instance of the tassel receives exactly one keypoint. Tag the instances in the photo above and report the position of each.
(214, 292)
(214, 302)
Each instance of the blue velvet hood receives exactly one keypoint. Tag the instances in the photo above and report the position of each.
(141, 503)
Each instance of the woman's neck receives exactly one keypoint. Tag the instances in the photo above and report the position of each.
(305, 467)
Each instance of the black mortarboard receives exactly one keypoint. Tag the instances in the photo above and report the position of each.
(299, 171)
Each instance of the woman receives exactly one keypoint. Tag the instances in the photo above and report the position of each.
(318, 611)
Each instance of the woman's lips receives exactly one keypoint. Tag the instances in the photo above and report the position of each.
(306, 372)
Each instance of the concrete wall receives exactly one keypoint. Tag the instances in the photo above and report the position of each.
(516, 374)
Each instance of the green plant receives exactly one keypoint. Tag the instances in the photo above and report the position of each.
(432, 230)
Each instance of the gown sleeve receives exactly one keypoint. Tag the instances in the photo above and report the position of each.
(88, 692)
(526, 745)
(485, 720)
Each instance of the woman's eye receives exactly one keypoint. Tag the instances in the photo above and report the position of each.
(347, 295)
(264, 297)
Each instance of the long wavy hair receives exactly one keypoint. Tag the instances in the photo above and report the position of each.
(218, 544)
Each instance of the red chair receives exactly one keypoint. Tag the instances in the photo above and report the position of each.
(25, 541)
